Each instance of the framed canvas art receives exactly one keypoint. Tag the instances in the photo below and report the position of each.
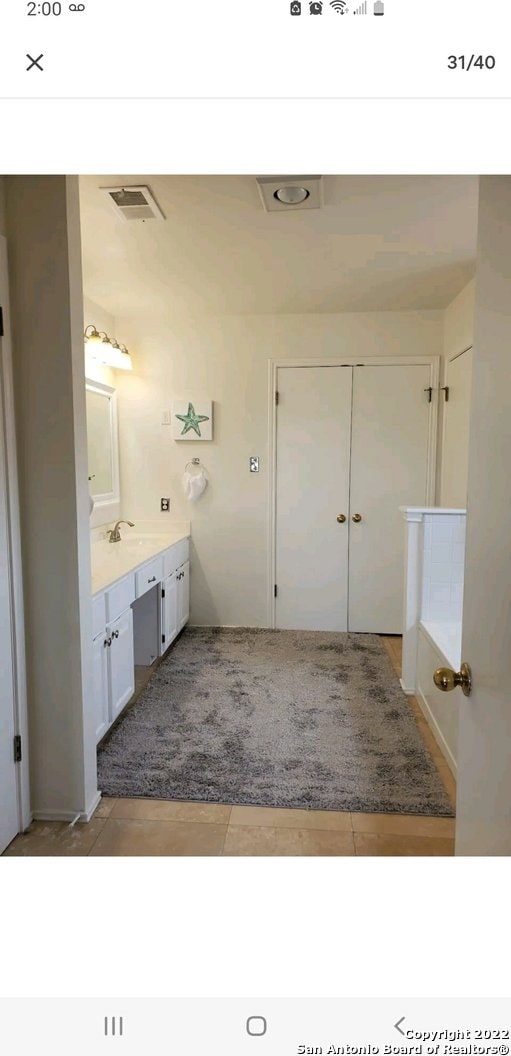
(192, 419)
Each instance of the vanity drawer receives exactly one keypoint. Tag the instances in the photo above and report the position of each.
(176, 556)
(98, 614)
(149, 575)
(119, 598)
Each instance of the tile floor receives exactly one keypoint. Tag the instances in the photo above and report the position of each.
(159, 828)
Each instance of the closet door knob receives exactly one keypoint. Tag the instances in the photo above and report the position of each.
(357, 517)
(341, 518)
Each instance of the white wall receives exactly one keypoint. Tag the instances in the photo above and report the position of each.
(47, 327)
(458, 336)
(226, 359)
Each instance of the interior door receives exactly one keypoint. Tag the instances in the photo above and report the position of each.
(389, 469)
(484, 745)
(9, 822)
(312, 491)
(458, 380)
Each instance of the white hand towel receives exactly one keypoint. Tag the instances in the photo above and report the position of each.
(194, 484)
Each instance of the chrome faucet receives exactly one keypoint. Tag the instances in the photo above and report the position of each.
(114, 533)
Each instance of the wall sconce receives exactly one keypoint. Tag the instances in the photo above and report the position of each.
(107, 351)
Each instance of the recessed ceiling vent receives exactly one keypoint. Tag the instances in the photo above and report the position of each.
(285, 194)
(133, 203)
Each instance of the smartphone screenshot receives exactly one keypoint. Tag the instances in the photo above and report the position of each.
(255, 778)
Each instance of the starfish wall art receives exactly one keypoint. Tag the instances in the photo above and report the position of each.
(192, 420)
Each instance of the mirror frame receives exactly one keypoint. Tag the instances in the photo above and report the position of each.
(108, 498)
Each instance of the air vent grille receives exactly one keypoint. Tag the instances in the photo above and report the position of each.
(133, 203)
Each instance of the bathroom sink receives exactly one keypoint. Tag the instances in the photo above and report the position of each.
(141, 542)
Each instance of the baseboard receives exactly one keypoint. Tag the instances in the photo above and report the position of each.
(410, 692)
(68, 815)
(437, 733)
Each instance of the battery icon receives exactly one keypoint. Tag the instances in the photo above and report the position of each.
(379, 7)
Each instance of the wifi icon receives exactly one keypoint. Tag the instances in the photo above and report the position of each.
(340, 6)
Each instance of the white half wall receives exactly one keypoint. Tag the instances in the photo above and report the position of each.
(226, 359)
(47, 327)
(458, 336)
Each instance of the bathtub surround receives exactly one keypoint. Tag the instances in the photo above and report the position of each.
(433, 607)
(274, 718)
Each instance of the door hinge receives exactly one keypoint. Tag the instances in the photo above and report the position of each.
(275, 591)
(276, 399)
(445, 390)
(429, 391)
(163, 639)
(1, 322)
(163, 592)
(17, 749)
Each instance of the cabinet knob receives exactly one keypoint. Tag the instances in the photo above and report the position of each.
(152, 580)
(357, 517)
(115, 634)
(107, 641)
(341, 518)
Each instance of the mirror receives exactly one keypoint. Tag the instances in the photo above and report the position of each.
(102, 445)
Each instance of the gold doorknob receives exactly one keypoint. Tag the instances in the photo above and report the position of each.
(341, 518)
(446, 679)
(357, 517)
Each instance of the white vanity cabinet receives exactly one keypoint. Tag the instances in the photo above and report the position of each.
(121, 664)
(100, 683)
(183, 595)
(168, 618)
(159, 617)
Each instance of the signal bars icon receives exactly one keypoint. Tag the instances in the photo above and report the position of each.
(362, 9)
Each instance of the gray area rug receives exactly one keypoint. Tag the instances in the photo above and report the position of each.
(274, 718)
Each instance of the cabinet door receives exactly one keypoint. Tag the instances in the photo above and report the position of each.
(168, 612)
(183, 595)
(100, 650)
(121, 666)
(389, 469)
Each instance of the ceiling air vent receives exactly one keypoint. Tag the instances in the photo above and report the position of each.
(286, 194)
(133, 203)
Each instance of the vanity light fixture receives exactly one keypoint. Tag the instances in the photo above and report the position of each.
(109, 352)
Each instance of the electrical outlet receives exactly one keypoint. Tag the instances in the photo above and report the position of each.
(164, 505)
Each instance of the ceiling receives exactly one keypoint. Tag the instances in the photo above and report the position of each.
(379, 243)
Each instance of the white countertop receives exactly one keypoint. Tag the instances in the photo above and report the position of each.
(112, 561)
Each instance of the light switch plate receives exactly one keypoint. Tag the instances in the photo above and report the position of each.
(254, 464)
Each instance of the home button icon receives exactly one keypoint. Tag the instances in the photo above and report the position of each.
(256, 1026)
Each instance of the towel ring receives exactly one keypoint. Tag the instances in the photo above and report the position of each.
(193, 462)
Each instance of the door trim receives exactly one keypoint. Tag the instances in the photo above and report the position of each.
(443, 417)
(274, 365)
(14, 556)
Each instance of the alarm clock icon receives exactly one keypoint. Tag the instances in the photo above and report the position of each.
(316, 7)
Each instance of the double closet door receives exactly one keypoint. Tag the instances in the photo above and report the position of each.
(352, 447)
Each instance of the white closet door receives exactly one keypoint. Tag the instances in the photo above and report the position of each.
(313, 453)
(456, 428)
(389, 458)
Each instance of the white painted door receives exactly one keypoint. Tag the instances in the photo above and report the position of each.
(100, 677)
(168, 612)
(389, 468)
(484, 746)
(458, 379)
(183, 595)
(9, 824)
(312, 490)
(121, 664)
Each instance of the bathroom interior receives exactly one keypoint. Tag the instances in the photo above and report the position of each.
(274, 428)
